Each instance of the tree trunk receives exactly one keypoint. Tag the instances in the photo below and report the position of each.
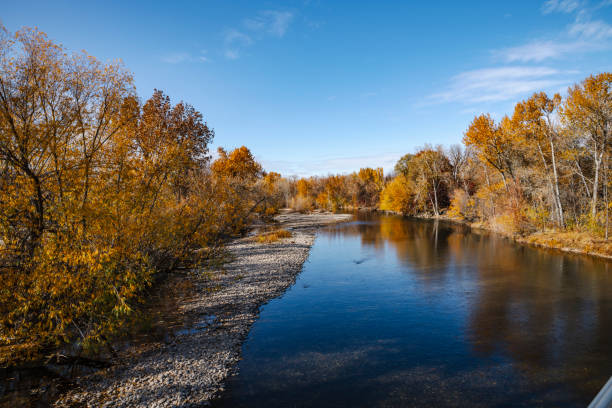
(435, 199)
(595, 187)
(489, 186)
(556, 184)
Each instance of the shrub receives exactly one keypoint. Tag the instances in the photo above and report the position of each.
(273, 236)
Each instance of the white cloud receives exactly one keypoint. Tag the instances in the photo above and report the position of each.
(540, 50)
(180, 57)
(236, 37)
(582, 36)
(235, 41)
(591, 30)
(560, 6)
(500, 84)
(271, 22)
(280, 22)
(176, 58)
(267, 23)
(231, 54)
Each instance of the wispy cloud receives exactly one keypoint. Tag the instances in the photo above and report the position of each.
(272, 23)
(604, 3)
(560, 6)
(231, 54)
(540, 50)
(500, 84)
(236, 37)
(180, 57)
(176, 58)
(583, 35)
(235, 42)
(586, 29)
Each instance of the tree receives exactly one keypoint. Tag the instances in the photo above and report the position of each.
(588, 112)
(430, 168)
(458, 162)
(494, 145)
(533, 120)
(398, 196)
(402, 165)
(371, 182)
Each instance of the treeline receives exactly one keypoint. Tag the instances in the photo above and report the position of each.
(335, 192)
(545, 166)
(100, 192)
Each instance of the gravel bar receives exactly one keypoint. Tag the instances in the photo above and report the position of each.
(190, 369)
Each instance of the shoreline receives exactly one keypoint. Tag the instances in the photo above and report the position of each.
(551, 240)
(190, 367)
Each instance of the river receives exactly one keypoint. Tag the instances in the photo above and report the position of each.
(390, 311)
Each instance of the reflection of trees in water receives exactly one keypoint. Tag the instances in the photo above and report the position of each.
(550, 313)
(416, 243)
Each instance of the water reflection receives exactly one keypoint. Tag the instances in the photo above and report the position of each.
(390, 311)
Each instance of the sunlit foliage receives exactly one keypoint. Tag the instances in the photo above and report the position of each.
(99, 193)
(546, 166)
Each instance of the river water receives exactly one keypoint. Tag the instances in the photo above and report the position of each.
(390, 311)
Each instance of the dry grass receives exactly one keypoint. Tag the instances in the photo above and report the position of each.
(572, 241)
(272, 236)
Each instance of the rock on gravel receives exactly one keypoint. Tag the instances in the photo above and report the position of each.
(191, 369)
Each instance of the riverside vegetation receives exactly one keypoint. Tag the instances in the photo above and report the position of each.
(540, 174)
(102, 193)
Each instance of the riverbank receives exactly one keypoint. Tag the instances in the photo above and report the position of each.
(580, 243)
(190, 366)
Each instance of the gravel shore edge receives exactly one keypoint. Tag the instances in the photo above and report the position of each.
(191, 368)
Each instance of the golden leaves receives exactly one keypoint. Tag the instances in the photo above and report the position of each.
(98, 193)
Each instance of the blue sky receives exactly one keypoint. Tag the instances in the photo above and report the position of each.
(318, 87)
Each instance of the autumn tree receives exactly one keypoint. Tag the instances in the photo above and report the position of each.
(398, 196)
(494, 145)
(99, 193)
(587, 110)
(533, 120)
(370, 184)
(236, 175)
(402, 165)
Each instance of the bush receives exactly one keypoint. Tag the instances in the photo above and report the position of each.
(462, 206)
(273, 236)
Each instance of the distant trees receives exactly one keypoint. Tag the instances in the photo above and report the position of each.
(545, 166)
(356, 190)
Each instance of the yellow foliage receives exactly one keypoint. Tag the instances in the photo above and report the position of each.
(462, 206)
(274, 236)
(397, 196)
(99, 193)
